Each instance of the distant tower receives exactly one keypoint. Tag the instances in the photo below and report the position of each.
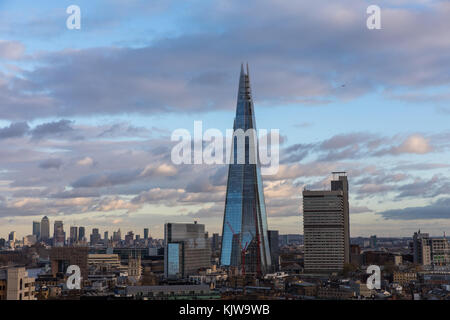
(59, 236)
(37, 230)
(45, 229)
(73, 237)
(81, 234)
(244, 232)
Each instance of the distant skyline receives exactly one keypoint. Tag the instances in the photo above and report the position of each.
(86, 115)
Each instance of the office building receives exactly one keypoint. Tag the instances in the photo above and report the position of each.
(59, 236)
(129, 238)
(37, 230)
(145, 233)
(274, 246)
(326, 227)
(81, 234)
(45, 229)
(73, 238)
(95, 237)
(215, 242)
(12, 237)
(244, 233)
(186, 249)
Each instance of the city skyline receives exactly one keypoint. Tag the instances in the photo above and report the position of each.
(86, 115)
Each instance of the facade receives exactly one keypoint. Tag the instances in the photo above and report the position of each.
(81, 234)
(186, 249)
(421, 248)
(63, 257)
(430, 251)
(95, 237)
(45, 229)
(73, 238)
(12, 237)
(37, 230)
(15, 284)
(274, 246)
(244, 233)
(326, 227)
(59, 236)
(404, 277)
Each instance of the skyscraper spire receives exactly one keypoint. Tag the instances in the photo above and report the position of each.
(244, 234)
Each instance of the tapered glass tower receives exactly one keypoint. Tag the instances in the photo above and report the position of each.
(244, 234)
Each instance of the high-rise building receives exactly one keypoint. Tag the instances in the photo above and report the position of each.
(12, 237)
(105, 236)
(59, 236)
(215, 243)
(45, 229)
(326, 227)
(73, 238)
(81, 234)
(186, 249)
(95, 237)
(37, 230)
(129, 238)
(274, 246)
(117, 236)
(421, 248)
(145, 233)
(373, 241)
(244, 233)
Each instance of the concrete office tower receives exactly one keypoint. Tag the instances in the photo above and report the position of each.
(73, 238)
(186, 249)
(326, 227)
(59, 236)
(45, 229)
(37, 230)
(244, 233)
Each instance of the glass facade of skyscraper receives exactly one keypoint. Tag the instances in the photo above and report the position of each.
(244, 233)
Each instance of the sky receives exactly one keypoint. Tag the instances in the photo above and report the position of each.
(86, 115)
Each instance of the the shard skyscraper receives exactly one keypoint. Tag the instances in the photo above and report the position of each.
(244, 235)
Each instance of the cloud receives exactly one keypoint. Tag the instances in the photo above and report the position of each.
(11, 50)
(181, 74)
(414, 144)
(439, 209)
(17, 129)
(86, 161)
(54, 163)
(52, 129)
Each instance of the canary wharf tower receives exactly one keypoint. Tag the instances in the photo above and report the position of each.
(244, 234)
